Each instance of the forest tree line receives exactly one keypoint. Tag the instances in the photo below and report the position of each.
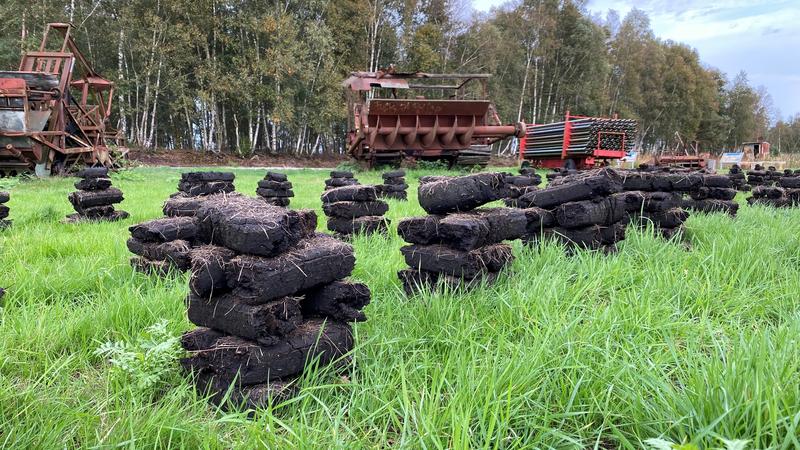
(264, 76)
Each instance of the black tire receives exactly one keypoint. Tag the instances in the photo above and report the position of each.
(570, 164)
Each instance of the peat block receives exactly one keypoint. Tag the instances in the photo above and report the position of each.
(314, 261)
(4, 197)
(580, 214)
(204, 177)
(4, 211)
(278, 185)
(355, 193)
(466, 264)
(240, 397)
(574, 188)
(768, 192)
(592, 237)
(181, 206)
(208, 269)
(250, 225)
(393, 174)
(166, 229)
(789, 182)
(339, 300)
(719, 193)
(93, 184)
(718, 181)
(265, 323)
(230, 357)
(465, 231)
(274, 193)
(711, 205)
(461, 193)
(86, 199)
(277, 201)
(276, 176)
(206, 188)
(341, 174)
(339, 182)
(665, 219)
(351, 210)
(176, 252)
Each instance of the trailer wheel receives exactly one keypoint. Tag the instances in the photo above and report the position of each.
(569, 164)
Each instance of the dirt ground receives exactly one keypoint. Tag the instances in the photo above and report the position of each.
(190, 158)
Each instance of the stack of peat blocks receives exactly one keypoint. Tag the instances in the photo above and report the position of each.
(340, 178)
(785, 195)
(456, 244)
(268, 297)
(164, 245)
(275, 189)
(394, 185)
(712, 194)
(354, 210)
(582, 210)
(95, 198)
(656, 198)
(518, 185)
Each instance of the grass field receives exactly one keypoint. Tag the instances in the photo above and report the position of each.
(587, 351)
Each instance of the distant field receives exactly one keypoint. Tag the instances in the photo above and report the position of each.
(588, 351)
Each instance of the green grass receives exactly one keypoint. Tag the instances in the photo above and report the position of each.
(585, 351)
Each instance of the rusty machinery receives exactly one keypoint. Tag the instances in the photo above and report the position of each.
(387, 123)
(54, 110)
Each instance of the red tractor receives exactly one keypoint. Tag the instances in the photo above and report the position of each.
(54, 110)
(388, 124)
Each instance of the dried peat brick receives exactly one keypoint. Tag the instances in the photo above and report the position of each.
(768, 192)
(176, 252)
(4, 211)
(312, 262)
(233, 358)
(93, 184)
(393, 174)
(785, 182)
(419, 230)
(265, 323)
(341, 174)
(604, 211)
(585, 188)
(666, 219)
(718, 181)
(481, 227)
(4, 197)
(339, 300)
(357, 193)
(538, 219)
(249, 225)
(277, 201)
(275, 185)
(351, 210)
(209, 270)
(274, 193)
(276, 176)
(339, 182)
(712, 206)
(166, 229)
(200, 338)
(86, 199)
(206, 188)
(203, 177)
(719, 193)
(461, 193)
(181, 206)
(467, 264)
(661, 201)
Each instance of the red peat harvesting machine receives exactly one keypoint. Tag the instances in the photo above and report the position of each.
(54, 110)
(579, 142)
(454, 122)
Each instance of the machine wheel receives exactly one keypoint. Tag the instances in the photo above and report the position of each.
(569, 164)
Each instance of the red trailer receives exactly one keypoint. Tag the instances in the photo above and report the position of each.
(579, 142)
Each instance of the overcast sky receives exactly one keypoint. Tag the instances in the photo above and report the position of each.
(758, 36)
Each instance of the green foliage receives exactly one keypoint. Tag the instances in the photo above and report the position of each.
(148, 361)
(431, 165)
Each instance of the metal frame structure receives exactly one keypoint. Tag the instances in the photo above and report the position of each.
(455, 128)
(580, 162)
(54, 109)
